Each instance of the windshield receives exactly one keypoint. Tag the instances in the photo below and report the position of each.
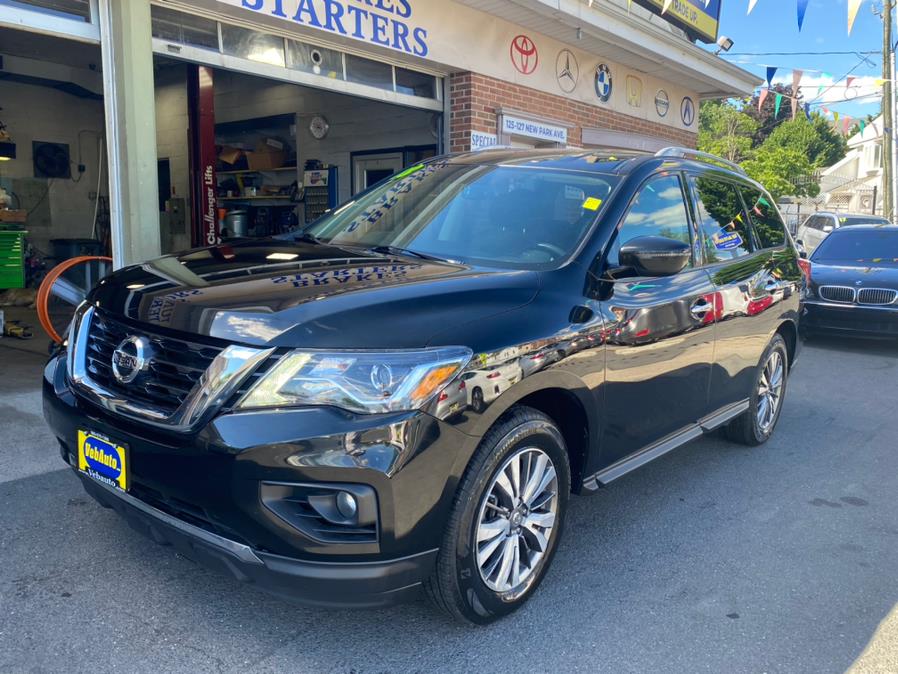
(504, 216)
(866, 246)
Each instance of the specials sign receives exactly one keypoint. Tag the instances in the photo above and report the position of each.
(388, 23)
(699, 18)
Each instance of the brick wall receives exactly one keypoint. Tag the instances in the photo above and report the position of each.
(474, 99)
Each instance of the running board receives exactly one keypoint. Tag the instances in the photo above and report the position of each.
(668, 444)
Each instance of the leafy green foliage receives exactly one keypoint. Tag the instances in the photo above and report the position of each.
(783, 170)
(725, 131)
(780, 152)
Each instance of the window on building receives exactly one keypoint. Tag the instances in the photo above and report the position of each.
(316, 60)
(69, 9)
(768, 224)
(657, 210)
(184, 28)
(724, 226)
(366, 71)
(252, 45)
(415, 84)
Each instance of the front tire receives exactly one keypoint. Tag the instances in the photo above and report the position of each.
(506, 521)
(755, 426)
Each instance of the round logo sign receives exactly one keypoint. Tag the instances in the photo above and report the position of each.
(603, 82)
(567, 70)
(687, 111)
(662, 103)
(524, 56)
(130, 358)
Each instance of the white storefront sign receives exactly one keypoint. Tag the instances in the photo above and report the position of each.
(480, 140)
(525, 127)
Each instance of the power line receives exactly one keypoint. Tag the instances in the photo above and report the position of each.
(798, 53)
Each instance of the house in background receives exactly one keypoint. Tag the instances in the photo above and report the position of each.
(855, 183)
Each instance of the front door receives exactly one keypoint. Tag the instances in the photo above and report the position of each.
(370, 169)
(660, 339)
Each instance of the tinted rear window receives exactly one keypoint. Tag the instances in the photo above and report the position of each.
(725, 231)
(768, 225)
(872, 246)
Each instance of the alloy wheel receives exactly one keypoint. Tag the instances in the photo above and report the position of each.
(770, 390)
(516, 519)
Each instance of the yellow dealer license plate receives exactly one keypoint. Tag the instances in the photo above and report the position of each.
(103, 460)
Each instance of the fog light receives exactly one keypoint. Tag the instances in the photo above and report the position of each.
(347, 505)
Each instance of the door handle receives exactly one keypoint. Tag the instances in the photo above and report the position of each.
(701, 309)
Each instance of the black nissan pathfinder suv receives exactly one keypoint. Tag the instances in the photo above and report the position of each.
(406, 393)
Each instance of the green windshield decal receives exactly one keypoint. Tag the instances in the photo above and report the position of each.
(407, 172)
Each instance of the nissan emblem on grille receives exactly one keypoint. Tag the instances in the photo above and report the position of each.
(130, 358)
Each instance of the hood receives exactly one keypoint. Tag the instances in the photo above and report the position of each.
(305, 294)
(856, 275)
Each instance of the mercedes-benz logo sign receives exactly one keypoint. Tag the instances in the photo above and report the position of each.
(130, 358)
(567, 70)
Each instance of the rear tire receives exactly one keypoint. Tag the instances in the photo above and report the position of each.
(473, 580)
(755, 426)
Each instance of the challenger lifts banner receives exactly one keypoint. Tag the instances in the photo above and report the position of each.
(452, 36)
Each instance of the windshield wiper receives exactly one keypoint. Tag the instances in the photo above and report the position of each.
(397, 250)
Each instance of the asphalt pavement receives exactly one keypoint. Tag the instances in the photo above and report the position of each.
(715, 558)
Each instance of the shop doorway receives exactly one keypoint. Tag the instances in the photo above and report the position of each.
(371, 169)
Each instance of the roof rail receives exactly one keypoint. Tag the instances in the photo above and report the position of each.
(696, 155)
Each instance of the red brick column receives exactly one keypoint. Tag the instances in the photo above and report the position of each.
(474, 100)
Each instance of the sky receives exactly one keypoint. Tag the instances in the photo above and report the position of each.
(773, 27)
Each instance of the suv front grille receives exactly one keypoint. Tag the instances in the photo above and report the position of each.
(876, 296)
(837, 293)
(174, 369)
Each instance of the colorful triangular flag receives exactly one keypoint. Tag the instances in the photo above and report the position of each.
(796, 80)
(849, 81)
(835, 116)
(779, 102)
(807, 111)
(794, 105)
(771, 71)
(751, 5)
(667, 4)
(802, 8)
(863, 125)
(853, 7)
(762, 98)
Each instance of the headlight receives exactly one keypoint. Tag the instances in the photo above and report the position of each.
(359, 381)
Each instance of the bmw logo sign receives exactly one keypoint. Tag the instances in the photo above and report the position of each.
(603, 82)
(130, 358)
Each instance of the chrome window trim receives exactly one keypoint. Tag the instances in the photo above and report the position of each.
(219, 382)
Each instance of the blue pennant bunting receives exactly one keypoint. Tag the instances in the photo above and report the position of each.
(802, 8)
(807, 111)
(771, 71)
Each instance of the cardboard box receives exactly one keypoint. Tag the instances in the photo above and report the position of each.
(265, 156)
(230, 155)
(13, 216)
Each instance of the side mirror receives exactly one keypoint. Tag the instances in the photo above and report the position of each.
(655, 255)
(828, 228)
(800, 242)
(803, 254)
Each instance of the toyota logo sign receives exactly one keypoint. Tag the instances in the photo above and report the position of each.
(524, 56)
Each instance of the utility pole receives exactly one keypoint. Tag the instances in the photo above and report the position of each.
(888, 113)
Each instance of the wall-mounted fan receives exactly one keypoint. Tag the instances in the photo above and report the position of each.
(51, 160)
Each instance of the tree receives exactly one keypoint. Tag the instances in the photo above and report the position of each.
(766, 116)
(816, 139)
(783, 170)
(725, 131)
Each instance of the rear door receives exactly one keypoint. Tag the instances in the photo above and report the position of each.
(660, 335)
(745, 281)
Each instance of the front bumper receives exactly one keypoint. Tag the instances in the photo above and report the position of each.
(849, 319)
(359, 584)
(201, 492)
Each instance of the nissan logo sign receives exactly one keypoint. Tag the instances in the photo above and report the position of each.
(130, 358)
